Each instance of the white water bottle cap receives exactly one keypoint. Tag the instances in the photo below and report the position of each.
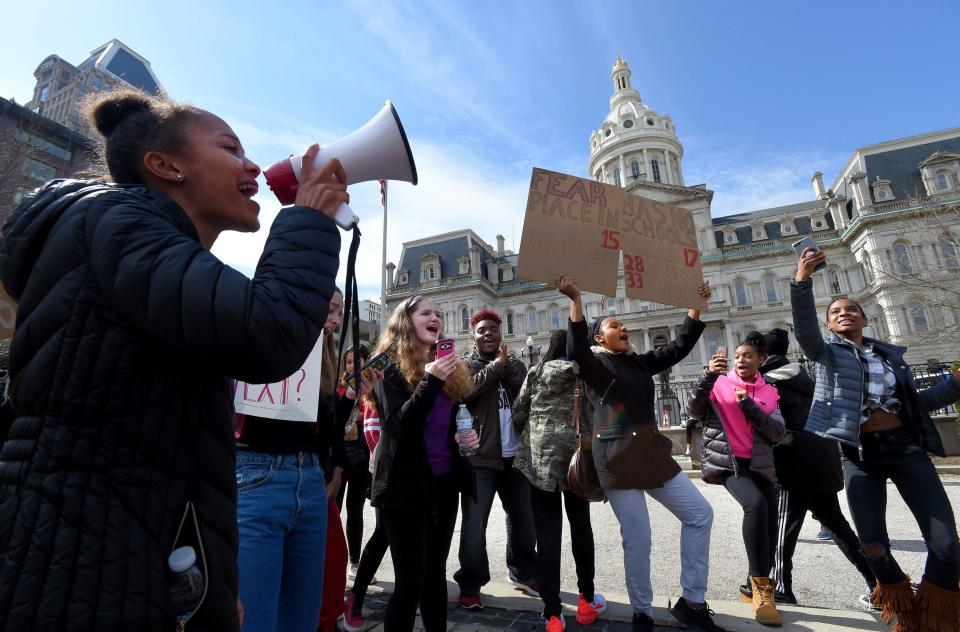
(182, 559)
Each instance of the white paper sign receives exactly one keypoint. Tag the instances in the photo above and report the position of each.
(295, 398)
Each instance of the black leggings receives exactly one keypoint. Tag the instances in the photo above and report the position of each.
(758, 497)
(548, 521)
(354, 483)
(370, 561)
(419, 544)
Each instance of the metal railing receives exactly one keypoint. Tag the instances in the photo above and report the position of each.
(925, 376)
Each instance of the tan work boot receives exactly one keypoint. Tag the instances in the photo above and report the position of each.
(764, 605)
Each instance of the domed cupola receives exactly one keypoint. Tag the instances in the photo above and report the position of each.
(634, 143)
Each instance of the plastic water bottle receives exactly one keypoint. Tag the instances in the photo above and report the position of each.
(464, 423)
(188, 583)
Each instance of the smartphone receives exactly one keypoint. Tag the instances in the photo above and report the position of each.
(721, 351)
(445, 347)
(808, 241)
(379, 362)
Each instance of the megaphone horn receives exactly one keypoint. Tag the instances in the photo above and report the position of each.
(377, 151)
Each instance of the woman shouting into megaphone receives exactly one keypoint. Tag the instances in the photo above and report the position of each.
(122, 447)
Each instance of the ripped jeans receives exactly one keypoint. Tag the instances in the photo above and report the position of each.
(895, 455)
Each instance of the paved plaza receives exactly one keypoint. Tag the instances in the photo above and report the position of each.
(822, 576)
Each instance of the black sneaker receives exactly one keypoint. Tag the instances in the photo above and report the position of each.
(642, 622)
(784, 598)
(697, 618)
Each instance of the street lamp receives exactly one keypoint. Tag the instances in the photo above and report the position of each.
(530, 349)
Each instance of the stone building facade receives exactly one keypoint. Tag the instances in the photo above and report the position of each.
(888, 224)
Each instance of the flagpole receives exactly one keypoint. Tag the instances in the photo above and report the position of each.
(383, 266)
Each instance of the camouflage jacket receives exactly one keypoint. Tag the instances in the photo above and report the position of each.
(543, 416)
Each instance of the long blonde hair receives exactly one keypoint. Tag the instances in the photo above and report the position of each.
(399, 341)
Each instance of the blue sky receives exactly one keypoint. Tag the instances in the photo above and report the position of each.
(762, 93)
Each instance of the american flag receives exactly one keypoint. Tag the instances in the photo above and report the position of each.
(383, 193)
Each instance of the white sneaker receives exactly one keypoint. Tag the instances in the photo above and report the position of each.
(866, 602)
(352, 573)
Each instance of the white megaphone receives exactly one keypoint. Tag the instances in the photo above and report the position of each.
(377, 151)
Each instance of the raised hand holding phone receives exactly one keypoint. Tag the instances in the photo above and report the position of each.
(718, 363)
(810, 261)
(443, 367)
(811, 257)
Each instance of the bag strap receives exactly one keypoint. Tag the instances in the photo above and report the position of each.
(576, 411)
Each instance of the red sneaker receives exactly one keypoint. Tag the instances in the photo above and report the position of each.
(556, 624)
(353, 620)
(470, 602)
(588, 612)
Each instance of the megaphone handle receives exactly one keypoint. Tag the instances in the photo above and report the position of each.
(345, 217)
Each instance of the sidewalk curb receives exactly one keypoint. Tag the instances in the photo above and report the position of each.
(731, 615)
(948, 469)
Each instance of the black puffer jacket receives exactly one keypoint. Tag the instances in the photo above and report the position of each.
(716, 455)
(126, 332)
(805, 463)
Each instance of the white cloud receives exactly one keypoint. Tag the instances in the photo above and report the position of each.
(744, 182)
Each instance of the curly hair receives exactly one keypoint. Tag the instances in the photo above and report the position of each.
(399, 341)
(485, 314)
(756, 340)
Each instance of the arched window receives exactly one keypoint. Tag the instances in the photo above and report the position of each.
(867, 267)
(740, 289)
(948, 252)
(770, 288)
(635, 169)
(510, 329)
(616, 176)
(554, 317)
(531, 320)
(901, 259)
(655, 168)
(432, 273)
(942, 182)
(833, 278)
(464, 319)
(918, 316)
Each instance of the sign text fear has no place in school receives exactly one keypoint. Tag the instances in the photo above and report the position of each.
(579, 227)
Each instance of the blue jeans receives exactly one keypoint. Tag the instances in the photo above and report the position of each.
(282, 518)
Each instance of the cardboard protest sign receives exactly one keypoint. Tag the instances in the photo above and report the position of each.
(580, 227)
(295, 398)
(8, 314)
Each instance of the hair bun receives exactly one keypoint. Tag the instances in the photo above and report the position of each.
(756, 339)
(111, 110)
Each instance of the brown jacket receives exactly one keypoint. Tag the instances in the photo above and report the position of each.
(484, 402)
